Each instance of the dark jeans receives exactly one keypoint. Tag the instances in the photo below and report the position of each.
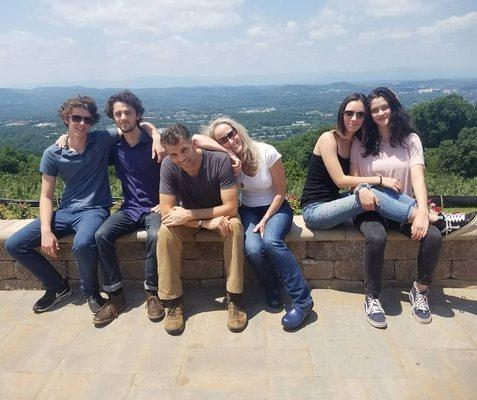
(117, 225)
(373, 227)
(21, 246)
(270, 257)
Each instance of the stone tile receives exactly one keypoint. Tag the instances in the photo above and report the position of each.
(464, 366)
(337, 250)
(5, 329)
(245, 363)
(296, 363)
(412, 388)
(82, 359)
(298, 249)
(279, 339)
(198, 269)
(153, 386)
(21, 385)
(6, 270)
(457, 250)
(10, 229)
(70, 386)
(348, 269)
(299, 232)
(202, 250)
(425, 364)
(210, 330)
(219, 387)
(332, 298)
(317, 269)
(465, 270)
(306, 388)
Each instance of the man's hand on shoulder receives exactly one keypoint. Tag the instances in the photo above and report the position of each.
(176, 216)
(221, 224)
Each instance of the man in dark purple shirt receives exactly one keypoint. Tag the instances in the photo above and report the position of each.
(139, 175)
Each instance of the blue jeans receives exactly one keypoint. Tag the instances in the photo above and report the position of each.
(117, 225)
(394, 206)
(269, 257)
(21, 246)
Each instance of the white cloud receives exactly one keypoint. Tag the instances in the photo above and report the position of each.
(394, 8)
(449, 25)
(326, 31)
(154, 16)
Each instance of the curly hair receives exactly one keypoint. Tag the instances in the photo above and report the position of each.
(79, 101)
(126, 97)
(399, 123)
(249, 153)
(173, 134)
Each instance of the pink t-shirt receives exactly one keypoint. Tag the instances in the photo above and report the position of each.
(393, 162)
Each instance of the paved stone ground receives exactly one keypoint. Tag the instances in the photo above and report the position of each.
(337, 355)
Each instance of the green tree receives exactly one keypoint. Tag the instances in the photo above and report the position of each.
(442, 118)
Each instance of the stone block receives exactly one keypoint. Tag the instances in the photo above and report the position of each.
(202, 269)
(190, 283)
(388, 270)
(203, 250)
(298, 231)
(465, 270)
(133, 270)
(248, 271)
(72, 269)
(65, 252)
(405, 269)
(3, 253)
(459, 250)
(401, 250)
(213, 283)
(317, 269)
(15, 284)
(298, 249)
(6, 270)
(349, 269)
(131, 251)
(443, 270)
(334, 250)
(22, 273)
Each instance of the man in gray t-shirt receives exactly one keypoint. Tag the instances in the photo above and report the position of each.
(203, 182)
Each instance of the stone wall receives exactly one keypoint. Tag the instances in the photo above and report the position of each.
(330, 258)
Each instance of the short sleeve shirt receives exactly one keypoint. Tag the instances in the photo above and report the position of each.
(393, 162)
(203, 190)
(257, 191)
(85, 175)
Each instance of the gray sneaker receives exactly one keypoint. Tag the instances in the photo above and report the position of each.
(95, 302)
(374, 311)
(420, 306)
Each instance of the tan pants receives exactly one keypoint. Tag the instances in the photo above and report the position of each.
(169, 258)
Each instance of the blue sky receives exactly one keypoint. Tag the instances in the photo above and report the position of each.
(68, 42)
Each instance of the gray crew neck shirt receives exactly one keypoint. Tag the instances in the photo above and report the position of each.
(203, 190)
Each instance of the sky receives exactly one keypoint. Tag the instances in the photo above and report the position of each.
(70, 42)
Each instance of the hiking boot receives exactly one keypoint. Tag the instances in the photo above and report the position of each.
(95, 302)
(420, 306)
(155, 309)
(456, 224)
(237, 318)
(374, 311)
(174, 322)
(110, 309)
(52, 296)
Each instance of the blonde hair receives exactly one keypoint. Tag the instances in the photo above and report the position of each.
(249, 153)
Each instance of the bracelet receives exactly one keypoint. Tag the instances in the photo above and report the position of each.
(200, 223)
(380, 180)
(265, 218)
(361, 186)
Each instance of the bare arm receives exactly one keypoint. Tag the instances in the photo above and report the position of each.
(206, 142)
(158, 150)
(279, 185)
(49, 243)
(421, 220)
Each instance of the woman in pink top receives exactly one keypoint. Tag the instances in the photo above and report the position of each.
(390, 148)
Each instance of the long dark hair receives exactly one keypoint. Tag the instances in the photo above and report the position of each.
(340, 127)
(399, 123)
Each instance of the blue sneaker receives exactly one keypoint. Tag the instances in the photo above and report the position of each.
(295, 316)
(420, 306)
(374, 311)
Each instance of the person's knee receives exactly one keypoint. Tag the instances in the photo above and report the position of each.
(254, 248)
(165, 234)
(12, 246)
(434, 237)
(272, 243)
(376, 237)
(101, 236)
(83, 244)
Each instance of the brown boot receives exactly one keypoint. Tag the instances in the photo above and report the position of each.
(155, 309)
(174, 322)
(237, 320)
(110, 310)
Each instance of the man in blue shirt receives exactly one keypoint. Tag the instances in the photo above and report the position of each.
(139, 175)
(83, 166)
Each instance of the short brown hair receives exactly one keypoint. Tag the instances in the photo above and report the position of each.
(79, 101)
(174, 133)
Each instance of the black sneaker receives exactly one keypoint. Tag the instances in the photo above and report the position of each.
(450, 223)
(51, 297)
(374, 311)
(95, 302)
(420, 306)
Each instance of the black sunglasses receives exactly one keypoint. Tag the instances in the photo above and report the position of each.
(351, 114)
(227, 137)
(79, 118)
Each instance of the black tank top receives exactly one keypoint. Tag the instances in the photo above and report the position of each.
(319, 187)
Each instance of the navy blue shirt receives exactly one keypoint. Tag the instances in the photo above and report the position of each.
(85, 175)
(139, 175)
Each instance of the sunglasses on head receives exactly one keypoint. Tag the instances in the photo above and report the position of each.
(227, 137)
(351, 114)
(79, 118)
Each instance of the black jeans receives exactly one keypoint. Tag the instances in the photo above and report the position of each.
(117, 225)
(373, 227)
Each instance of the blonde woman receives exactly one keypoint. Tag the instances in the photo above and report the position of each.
(266, 217)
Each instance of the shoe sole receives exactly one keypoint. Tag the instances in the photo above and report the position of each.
(57, 300)
(157, 318)
(238, 330)
(107, 321)
(471, 226)
(418, 319)
(379, 325)
(175, 332)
